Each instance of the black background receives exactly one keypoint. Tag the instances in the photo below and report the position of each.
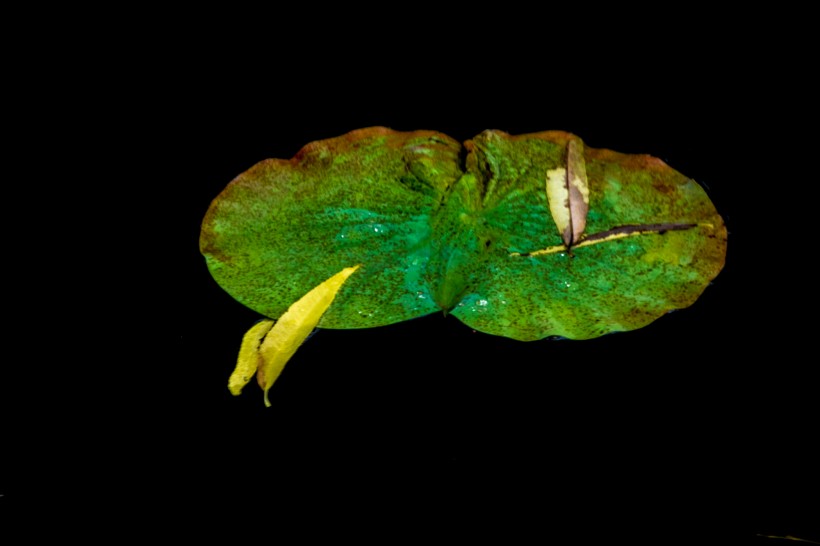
(700, 426)
(697, 425)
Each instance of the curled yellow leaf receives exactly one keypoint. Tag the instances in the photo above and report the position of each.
(248, 361)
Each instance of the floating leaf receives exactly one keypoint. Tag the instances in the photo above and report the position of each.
(472, 234)
(568, 194)
(267, 347)
(294, 326)
(249, 358)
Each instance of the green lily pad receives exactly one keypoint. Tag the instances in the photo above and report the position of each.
(465, 229)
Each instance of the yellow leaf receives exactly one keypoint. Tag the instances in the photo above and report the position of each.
(294, 326)
(248, 361)
(568, 194)
(558, 198)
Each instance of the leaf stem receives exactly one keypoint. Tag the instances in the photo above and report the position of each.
(619, 232)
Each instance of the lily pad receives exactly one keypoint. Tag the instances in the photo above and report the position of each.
(469, 230)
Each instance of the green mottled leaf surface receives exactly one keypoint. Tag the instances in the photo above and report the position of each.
(437, 225)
